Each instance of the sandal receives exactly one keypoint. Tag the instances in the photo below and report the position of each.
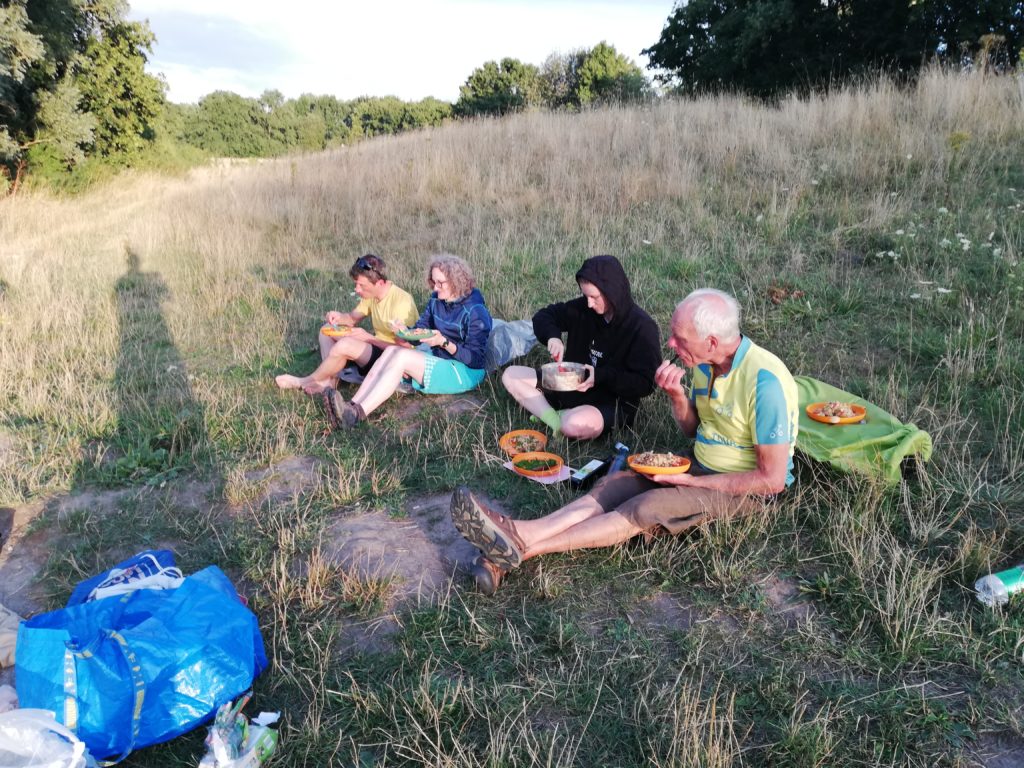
(487, 574)
(493, 534)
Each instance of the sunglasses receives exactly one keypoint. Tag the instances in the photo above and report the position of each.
(366, 262)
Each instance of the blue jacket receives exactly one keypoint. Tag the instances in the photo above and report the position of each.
(465, 321)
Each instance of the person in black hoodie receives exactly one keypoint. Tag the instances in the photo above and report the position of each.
(617, 341)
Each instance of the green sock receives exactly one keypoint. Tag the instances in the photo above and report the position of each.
(553, 421)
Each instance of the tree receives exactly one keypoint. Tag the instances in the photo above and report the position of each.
(116, 90)
(72, 82)
(767, 46)
(605, 75)
(499, 88)
(595, 76)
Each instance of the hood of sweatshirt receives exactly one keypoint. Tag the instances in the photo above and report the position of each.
(607, 274)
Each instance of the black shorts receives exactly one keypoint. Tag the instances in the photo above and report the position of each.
(375, 353)
(612, 414)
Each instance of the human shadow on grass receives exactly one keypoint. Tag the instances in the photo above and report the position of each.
(160, 423)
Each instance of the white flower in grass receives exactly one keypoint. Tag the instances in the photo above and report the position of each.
(997, 251)
(943, 210)
(894, 194)
(900, 232)
(646, 242)
(943, 290)
(814, 182)
(945, 242)
(760, 217)
(985, 245)
(915, 295)
(910, 157)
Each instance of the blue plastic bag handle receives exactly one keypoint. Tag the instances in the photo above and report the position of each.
(71, 690)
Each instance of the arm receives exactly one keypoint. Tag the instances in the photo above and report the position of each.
(552, 321)
(472, 350)
(768, 479)
(344, 318)
(669, 377)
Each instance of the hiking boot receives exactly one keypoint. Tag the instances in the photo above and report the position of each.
(492, 533)
(340, 414)
(487, 574)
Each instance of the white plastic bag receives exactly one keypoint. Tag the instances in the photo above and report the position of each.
(32, 738)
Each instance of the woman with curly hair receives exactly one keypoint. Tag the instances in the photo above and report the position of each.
(453, 361)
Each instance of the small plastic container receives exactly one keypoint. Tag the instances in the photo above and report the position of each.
(996, 588)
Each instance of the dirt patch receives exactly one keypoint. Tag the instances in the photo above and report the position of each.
(421, 554)
(666, 612)
(1003, 750)
(410, 411)
(22, 556)
(286, 479)
(784, 598)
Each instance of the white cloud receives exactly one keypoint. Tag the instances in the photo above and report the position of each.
(404, 48)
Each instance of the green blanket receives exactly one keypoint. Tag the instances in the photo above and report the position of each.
(874, 447)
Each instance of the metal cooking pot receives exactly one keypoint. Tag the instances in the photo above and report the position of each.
(562, 377)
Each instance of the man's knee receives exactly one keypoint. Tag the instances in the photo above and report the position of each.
(517, 378)
(582, 426)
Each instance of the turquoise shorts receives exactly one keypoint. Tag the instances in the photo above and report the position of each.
(447, 377)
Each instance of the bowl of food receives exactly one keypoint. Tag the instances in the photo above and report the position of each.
(334, 331)
(651, 463)
(522, 441)
(562, 377)
(537, 464)
(414, 334)
(835, 412)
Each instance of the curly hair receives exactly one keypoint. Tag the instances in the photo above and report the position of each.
(456, 270)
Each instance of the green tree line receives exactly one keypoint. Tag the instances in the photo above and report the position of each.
(76, 101)
(766, 47)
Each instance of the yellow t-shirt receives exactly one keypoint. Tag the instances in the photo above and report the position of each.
(755, 403)
(396, 305)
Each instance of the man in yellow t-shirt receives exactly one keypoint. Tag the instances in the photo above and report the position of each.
(380, 299)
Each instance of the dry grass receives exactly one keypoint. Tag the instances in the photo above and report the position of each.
(140, 325)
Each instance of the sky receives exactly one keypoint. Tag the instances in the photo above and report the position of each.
(405, 48)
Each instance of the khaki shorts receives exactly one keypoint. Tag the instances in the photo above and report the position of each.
(649, 505)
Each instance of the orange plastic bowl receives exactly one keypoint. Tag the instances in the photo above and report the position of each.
(507, 441)
(859, 412)
(334, 331)
(683, 466)
(554, 469)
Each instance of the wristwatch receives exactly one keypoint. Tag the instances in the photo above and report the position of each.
(450, 351)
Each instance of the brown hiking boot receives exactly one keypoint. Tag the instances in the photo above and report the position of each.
(492, 533)
(487, 574)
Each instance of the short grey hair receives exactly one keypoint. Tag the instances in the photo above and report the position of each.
(715, 313)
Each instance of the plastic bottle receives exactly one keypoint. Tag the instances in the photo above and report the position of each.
(618, 462)
(995, 589)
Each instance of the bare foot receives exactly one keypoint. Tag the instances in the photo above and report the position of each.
(313, 387)
(287, 381)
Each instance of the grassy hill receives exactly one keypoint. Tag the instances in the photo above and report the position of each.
(873, 237)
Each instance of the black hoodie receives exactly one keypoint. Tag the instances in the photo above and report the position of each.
(625, 352)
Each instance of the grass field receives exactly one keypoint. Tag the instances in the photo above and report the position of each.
(141, 325)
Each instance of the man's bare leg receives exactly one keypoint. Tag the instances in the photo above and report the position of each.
(604, 530)
(342, 352)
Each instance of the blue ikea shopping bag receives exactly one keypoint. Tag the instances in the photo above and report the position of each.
(130, 671)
